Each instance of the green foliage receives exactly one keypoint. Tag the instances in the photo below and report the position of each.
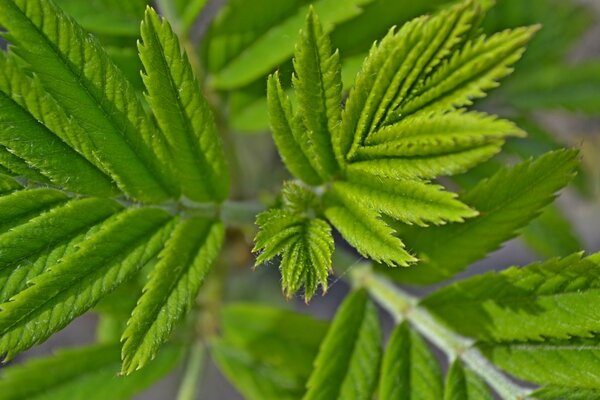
(409, 370)
(348, 360)
(517, 303)
(115, 197)
(506, 202)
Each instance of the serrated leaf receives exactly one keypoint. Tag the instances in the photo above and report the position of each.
(464, 384)
(85, 373)
(290, 142)
(365, 231)
(318, 88)
(18, 207)
(551, 234)
(26, 114)
(120, 138)
(306, 246)
(394, 67)
(521, 303)
(14, 166)
(348, 361)
(125, 244)
(409, 370)
(410, 201)
(171, 289)
(266, 352)
(568, 363)
(182, 113)
(265, 48)
(507, 201)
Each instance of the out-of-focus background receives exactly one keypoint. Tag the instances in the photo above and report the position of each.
(554, 95)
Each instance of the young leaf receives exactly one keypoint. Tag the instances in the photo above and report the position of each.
(318, 88)
(287, 134)
(306, 245)
(85, 373)
(348, 360)
(365, 231)
(171, 290)
(409, 370)
(264, 49)
(266, 352)
(125, 244)
(569, 363)
(77, 72)
(26, 114)
(520, 303)
(182, 113)
(464, 384)
(506, 202)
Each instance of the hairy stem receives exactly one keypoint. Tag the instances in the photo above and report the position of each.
(403, 306)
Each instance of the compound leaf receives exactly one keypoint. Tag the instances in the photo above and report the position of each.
(464, 384)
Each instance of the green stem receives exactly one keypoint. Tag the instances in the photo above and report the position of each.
(193, 372)
(403, 306)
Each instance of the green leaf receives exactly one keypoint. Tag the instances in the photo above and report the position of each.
(305, 243)
(8, 184)
(119, 137)
(506, 202)
(14, 166)
(267, 352)
(365, 231)
(271, 44)
(569, 363)
(348, 361)
(18, 207)
(28, 119)
(464, 384)
(171, 289)
(470, 73)
(394, 66)
(125, 244)
(85, 373)
(521, 303)
(318, 87)
(409, 370)
(287, 135)
(182, 113)
(410, 201)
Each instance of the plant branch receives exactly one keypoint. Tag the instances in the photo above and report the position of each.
(403, 306)
(193, 372)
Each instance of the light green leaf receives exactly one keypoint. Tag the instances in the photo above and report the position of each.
(569, 363)
(125, 244)
(287, 134)
(348, 361)
(266, 352)
(410, 201)
(464, 384)
(409, 370)
(14, 166)
(507, 201)
(120, 138)
(365, 231)
(265, 49)
(85, 373)
(521, 303)
(318, 88)
(565, 393)
(18, 207)
(182, 113)
(171, 289)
